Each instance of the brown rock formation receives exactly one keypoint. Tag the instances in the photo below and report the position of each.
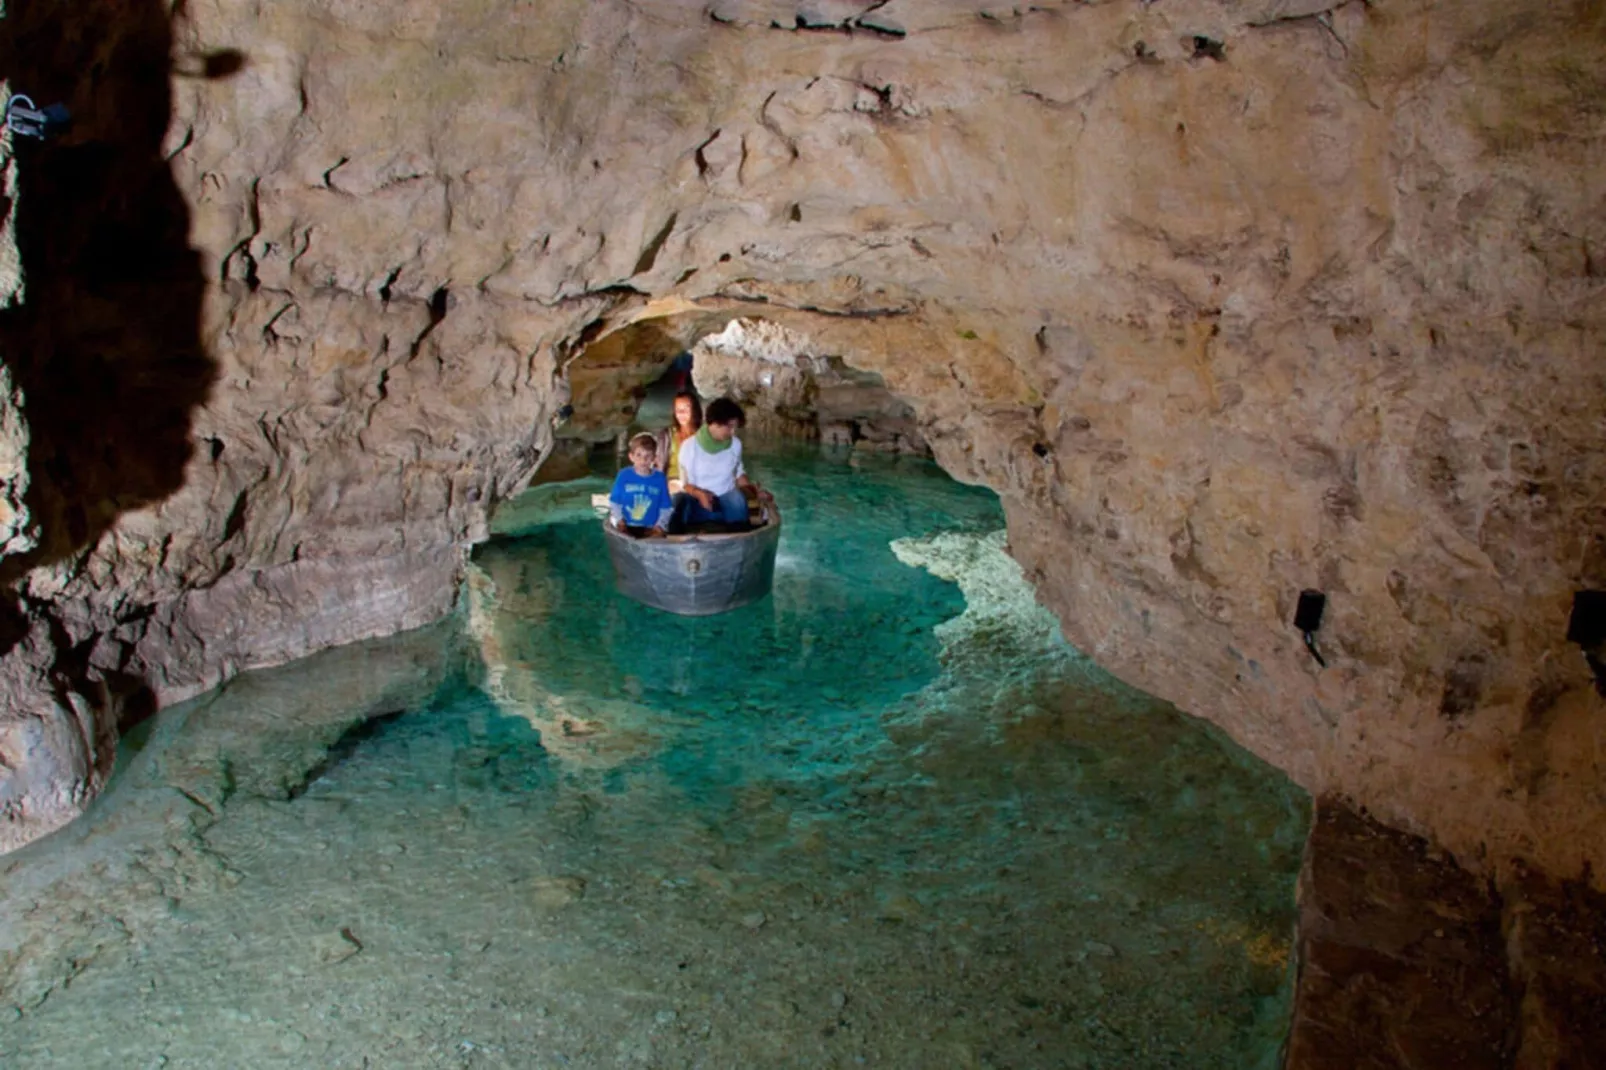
(1408, 961)
(1224, 299)
(787, 389)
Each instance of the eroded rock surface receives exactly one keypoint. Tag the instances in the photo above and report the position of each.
(787, 389)
(1401, 960)
(1226, 300)
(1408, 960)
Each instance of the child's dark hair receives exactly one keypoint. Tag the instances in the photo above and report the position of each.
(725, 411)
(696, 409)
(647, 440)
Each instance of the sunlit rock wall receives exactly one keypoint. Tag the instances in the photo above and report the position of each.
(1225, 299)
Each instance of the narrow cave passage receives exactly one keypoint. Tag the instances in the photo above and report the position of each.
(884, 817)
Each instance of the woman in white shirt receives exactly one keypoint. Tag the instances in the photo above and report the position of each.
(711, 471)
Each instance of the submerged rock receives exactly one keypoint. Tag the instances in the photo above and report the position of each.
(554, 893)
(336, 947)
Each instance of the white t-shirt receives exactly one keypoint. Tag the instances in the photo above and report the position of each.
(714, 472)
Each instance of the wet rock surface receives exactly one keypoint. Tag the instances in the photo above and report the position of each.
(1556, 940)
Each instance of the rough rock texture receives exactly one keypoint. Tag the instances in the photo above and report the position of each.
(224, 475)
(1225, 299)
(1407, 960)
(1401, 961)
(16, 525)
(1556, 943)
(788, 389)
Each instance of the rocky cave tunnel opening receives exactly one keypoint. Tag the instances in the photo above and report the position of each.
(623, 382)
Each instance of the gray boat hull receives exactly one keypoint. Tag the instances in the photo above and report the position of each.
(696, 575)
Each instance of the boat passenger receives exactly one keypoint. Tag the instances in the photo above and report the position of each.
(688, 420)
(711, 471)
(639, 503)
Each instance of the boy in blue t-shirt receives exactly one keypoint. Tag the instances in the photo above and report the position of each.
(639, 503)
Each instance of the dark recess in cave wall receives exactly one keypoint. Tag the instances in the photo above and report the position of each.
(106, 347)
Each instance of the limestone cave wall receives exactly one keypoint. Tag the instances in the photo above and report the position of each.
(1225, 298)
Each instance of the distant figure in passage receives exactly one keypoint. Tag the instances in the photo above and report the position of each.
(680, 371)
(711, 471)
(639, 503)
(688, 421)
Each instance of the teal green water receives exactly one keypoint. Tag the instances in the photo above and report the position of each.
(884, 817)
(780, 687)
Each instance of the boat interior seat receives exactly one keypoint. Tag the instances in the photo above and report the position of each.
(719, 527)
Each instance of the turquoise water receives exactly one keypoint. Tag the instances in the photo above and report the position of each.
(779, 688)
(885, 817)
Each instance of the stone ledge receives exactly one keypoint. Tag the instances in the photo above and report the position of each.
(58, 743)
(259, 618)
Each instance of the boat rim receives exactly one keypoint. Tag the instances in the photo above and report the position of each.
(701, 536)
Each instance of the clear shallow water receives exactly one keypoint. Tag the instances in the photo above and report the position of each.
(783, 688)
(881, 818)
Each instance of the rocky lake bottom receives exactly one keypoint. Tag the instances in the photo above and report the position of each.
(884, 817)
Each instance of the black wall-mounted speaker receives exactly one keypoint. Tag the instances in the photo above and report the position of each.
(1308, 616)
(1587, 626)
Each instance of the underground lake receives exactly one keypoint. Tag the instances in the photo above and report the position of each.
(885, 816)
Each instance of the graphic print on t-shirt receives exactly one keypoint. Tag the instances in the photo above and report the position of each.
(643, 500)
(639, 503)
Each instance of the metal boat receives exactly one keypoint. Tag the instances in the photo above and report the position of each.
(699, 574)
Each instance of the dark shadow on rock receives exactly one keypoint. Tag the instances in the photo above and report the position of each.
(217, 64)
(606, 380)
(106, 345)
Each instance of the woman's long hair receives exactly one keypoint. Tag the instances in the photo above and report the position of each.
(696, 411)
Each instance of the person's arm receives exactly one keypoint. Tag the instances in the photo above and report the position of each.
(666, 508)
(742, 482)
(616, 507)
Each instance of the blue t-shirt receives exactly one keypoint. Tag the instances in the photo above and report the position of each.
(641, 501)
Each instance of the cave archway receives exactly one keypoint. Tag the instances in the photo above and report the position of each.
(790, 384)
